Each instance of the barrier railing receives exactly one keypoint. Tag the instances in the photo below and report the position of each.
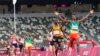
(86, 48)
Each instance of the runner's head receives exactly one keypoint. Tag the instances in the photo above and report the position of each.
(55, 22)
(74, 17)
(23, 36)
(13, 35)
(29, 34)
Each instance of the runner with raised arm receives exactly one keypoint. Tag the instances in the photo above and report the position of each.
(74, 28)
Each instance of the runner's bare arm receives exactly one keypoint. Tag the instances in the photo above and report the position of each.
(60, 17)
(51, 27)
(91, 12)
(57, 14)
(67, 21)
(32, 40)
(61, 28)
(24, 42)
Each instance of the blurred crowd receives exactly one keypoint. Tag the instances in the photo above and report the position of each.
(39, 27)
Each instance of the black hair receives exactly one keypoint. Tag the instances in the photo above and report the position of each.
(74, 15)
(55, 22)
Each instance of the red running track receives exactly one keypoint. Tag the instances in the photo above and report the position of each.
(95, 51)
(85, 50)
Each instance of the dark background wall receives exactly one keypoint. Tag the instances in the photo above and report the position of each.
(48, 1)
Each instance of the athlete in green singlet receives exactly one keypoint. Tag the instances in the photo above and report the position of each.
(29, 43)
(74, 28)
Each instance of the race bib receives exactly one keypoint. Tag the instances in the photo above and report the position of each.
(56, 32)
(14, 42)
(61, 33)
(74, 27)
(50, 38)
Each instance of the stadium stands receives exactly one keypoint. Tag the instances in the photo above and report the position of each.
(92, 26)
(38, 24)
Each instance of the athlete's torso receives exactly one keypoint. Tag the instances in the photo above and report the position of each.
(22, 40)
(14, 39)
(28, 39)
(56, 30)
(74, 27)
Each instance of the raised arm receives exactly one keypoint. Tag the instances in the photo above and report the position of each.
(67, 21)
(91, 12)
(57, 14)
(60, 17)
